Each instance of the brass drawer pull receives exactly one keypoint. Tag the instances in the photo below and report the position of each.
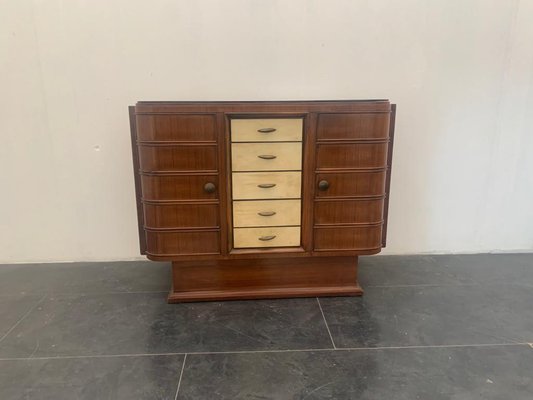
(266, 213)
(267, 156)
(266, 130)
(266, 185)
(266, 238)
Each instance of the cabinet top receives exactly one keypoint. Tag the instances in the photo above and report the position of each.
(371, 105)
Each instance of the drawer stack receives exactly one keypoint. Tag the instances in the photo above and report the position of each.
(179, 180)
(266, 166)
(351, 168)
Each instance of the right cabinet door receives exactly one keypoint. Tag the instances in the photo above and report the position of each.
(350, 179)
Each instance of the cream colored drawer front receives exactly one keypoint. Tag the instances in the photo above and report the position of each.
(266, 213)
(272, 237)
(285, 185)
(284, 130)
(266, 156)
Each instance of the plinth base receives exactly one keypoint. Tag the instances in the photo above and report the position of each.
(264, 278)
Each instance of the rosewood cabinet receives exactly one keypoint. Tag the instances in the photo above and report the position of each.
(262, 199)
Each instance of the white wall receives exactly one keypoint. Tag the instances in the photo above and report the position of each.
(461, 72)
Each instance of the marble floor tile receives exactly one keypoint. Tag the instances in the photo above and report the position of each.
(441, 315)
(488, 373)
(145, 323)
(150, 377)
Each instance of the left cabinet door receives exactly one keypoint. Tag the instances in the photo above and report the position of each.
(177, 167)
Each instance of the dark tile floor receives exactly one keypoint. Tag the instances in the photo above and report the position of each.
(428, 327)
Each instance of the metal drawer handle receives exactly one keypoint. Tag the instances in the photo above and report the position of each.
(266, 185)
(266, 130)
(266, 238)
(267, 156)
(266, 213)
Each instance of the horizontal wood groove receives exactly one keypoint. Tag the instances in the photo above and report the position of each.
(366, 250)
(178, 173)
(174, 143)
(184, 202)
(168, 256)
(352, 141)
(184, 229)
(355, 198)
(348, 170)
(339, 198)
(347, 225)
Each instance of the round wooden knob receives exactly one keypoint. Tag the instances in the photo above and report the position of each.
(209, 187)
(323, 185)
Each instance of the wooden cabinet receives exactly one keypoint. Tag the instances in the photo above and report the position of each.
(262, 199)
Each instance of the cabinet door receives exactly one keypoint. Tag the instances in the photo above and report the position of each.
(177, 176)
(351, 181)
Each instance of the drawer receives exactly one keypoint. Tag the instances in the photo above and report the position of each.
(276, 185)
(266, 237)
(180, 128)
(266, 213)
(351, 184)
(183, 187)
(348, 211)
(348, 238)
(266, 130)
(266, 156)
(181, 216)
(354, 155)
(353, 126)
(182, 243)
(178, 158)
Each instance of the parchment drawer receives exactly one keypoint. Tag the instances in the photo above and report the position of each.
(266, 130)
(266, 156)
(266, 185)
(266, 237)
(266, 213)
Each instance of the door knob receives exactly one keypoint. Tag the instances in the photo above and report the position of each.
(323, 185)
(209, 187)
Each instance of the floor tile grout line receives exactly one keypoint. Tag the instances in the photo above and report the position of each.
(181, 376)
(104, 293)
(23, 317)
(424, 285)
(338, 349)
(326, 322)
(51, 293)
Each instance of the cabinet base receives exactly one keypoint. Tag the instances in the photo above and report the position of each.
(264, 278)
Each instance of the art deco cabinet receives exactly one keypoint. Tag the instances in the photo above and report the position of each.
(262, 199)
